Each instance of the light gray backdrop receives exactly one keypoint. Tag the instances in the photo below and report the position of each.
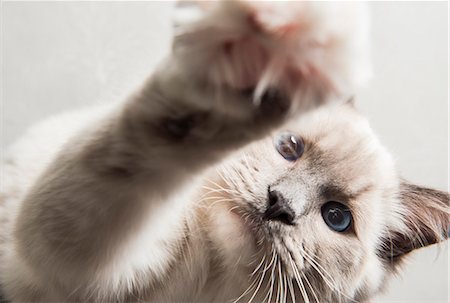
(58, 56)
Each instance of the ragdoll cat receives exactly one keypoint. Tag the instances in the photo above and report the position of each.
(145, 201)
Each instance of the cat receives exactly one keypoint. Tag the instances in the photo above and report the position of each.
(234, 174)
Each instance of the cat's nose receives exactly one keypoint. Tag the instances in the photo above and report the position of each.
(279, 209)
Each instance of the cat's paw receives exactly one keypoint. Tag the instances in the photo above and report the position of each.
(309, 51)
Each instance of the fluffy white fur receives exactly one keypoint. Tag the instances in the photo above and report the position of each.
(137, 201)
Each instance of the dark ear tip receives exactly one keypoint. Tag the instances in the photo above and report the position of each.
(426, 219)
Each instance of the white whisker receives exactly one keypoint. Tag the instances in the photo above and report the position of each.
(279, 282)
(259, 285)
(291, 290)
(259, 265)
(321, 271)
(299, 281)
(310, 287)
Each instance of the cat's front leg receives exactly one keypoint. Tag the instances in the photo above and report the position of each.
(107, 215)
(242, 68)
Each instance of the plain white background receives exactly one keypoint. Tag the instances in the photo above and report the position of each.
(59, 56)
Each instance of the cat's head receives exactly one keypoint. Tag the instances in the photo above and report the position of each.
(322, 208)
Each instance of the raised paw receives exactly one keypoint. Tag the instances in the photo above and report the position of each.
(310, 51)
(240, 68)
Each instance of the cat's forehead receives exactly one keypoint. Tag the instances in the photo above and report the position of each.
(342, 150)
(330, 124)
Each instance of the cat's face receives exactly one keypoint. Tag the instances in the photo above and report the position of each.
(318, 201)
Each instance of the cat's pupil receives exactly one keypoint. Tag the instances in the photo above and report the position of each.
(335, 216)
(287, 149)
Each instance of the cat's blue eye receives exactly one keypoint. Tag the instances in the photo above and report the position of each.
(337, 216)
(289, 146)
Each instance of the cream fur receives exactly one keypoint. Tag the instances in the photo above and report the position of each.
(145, 200)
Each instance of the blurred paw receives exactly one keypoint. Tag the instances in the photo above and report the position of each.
(310, 51)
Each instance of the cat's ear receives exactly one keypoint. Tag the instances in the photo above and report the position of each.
(425, 217)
